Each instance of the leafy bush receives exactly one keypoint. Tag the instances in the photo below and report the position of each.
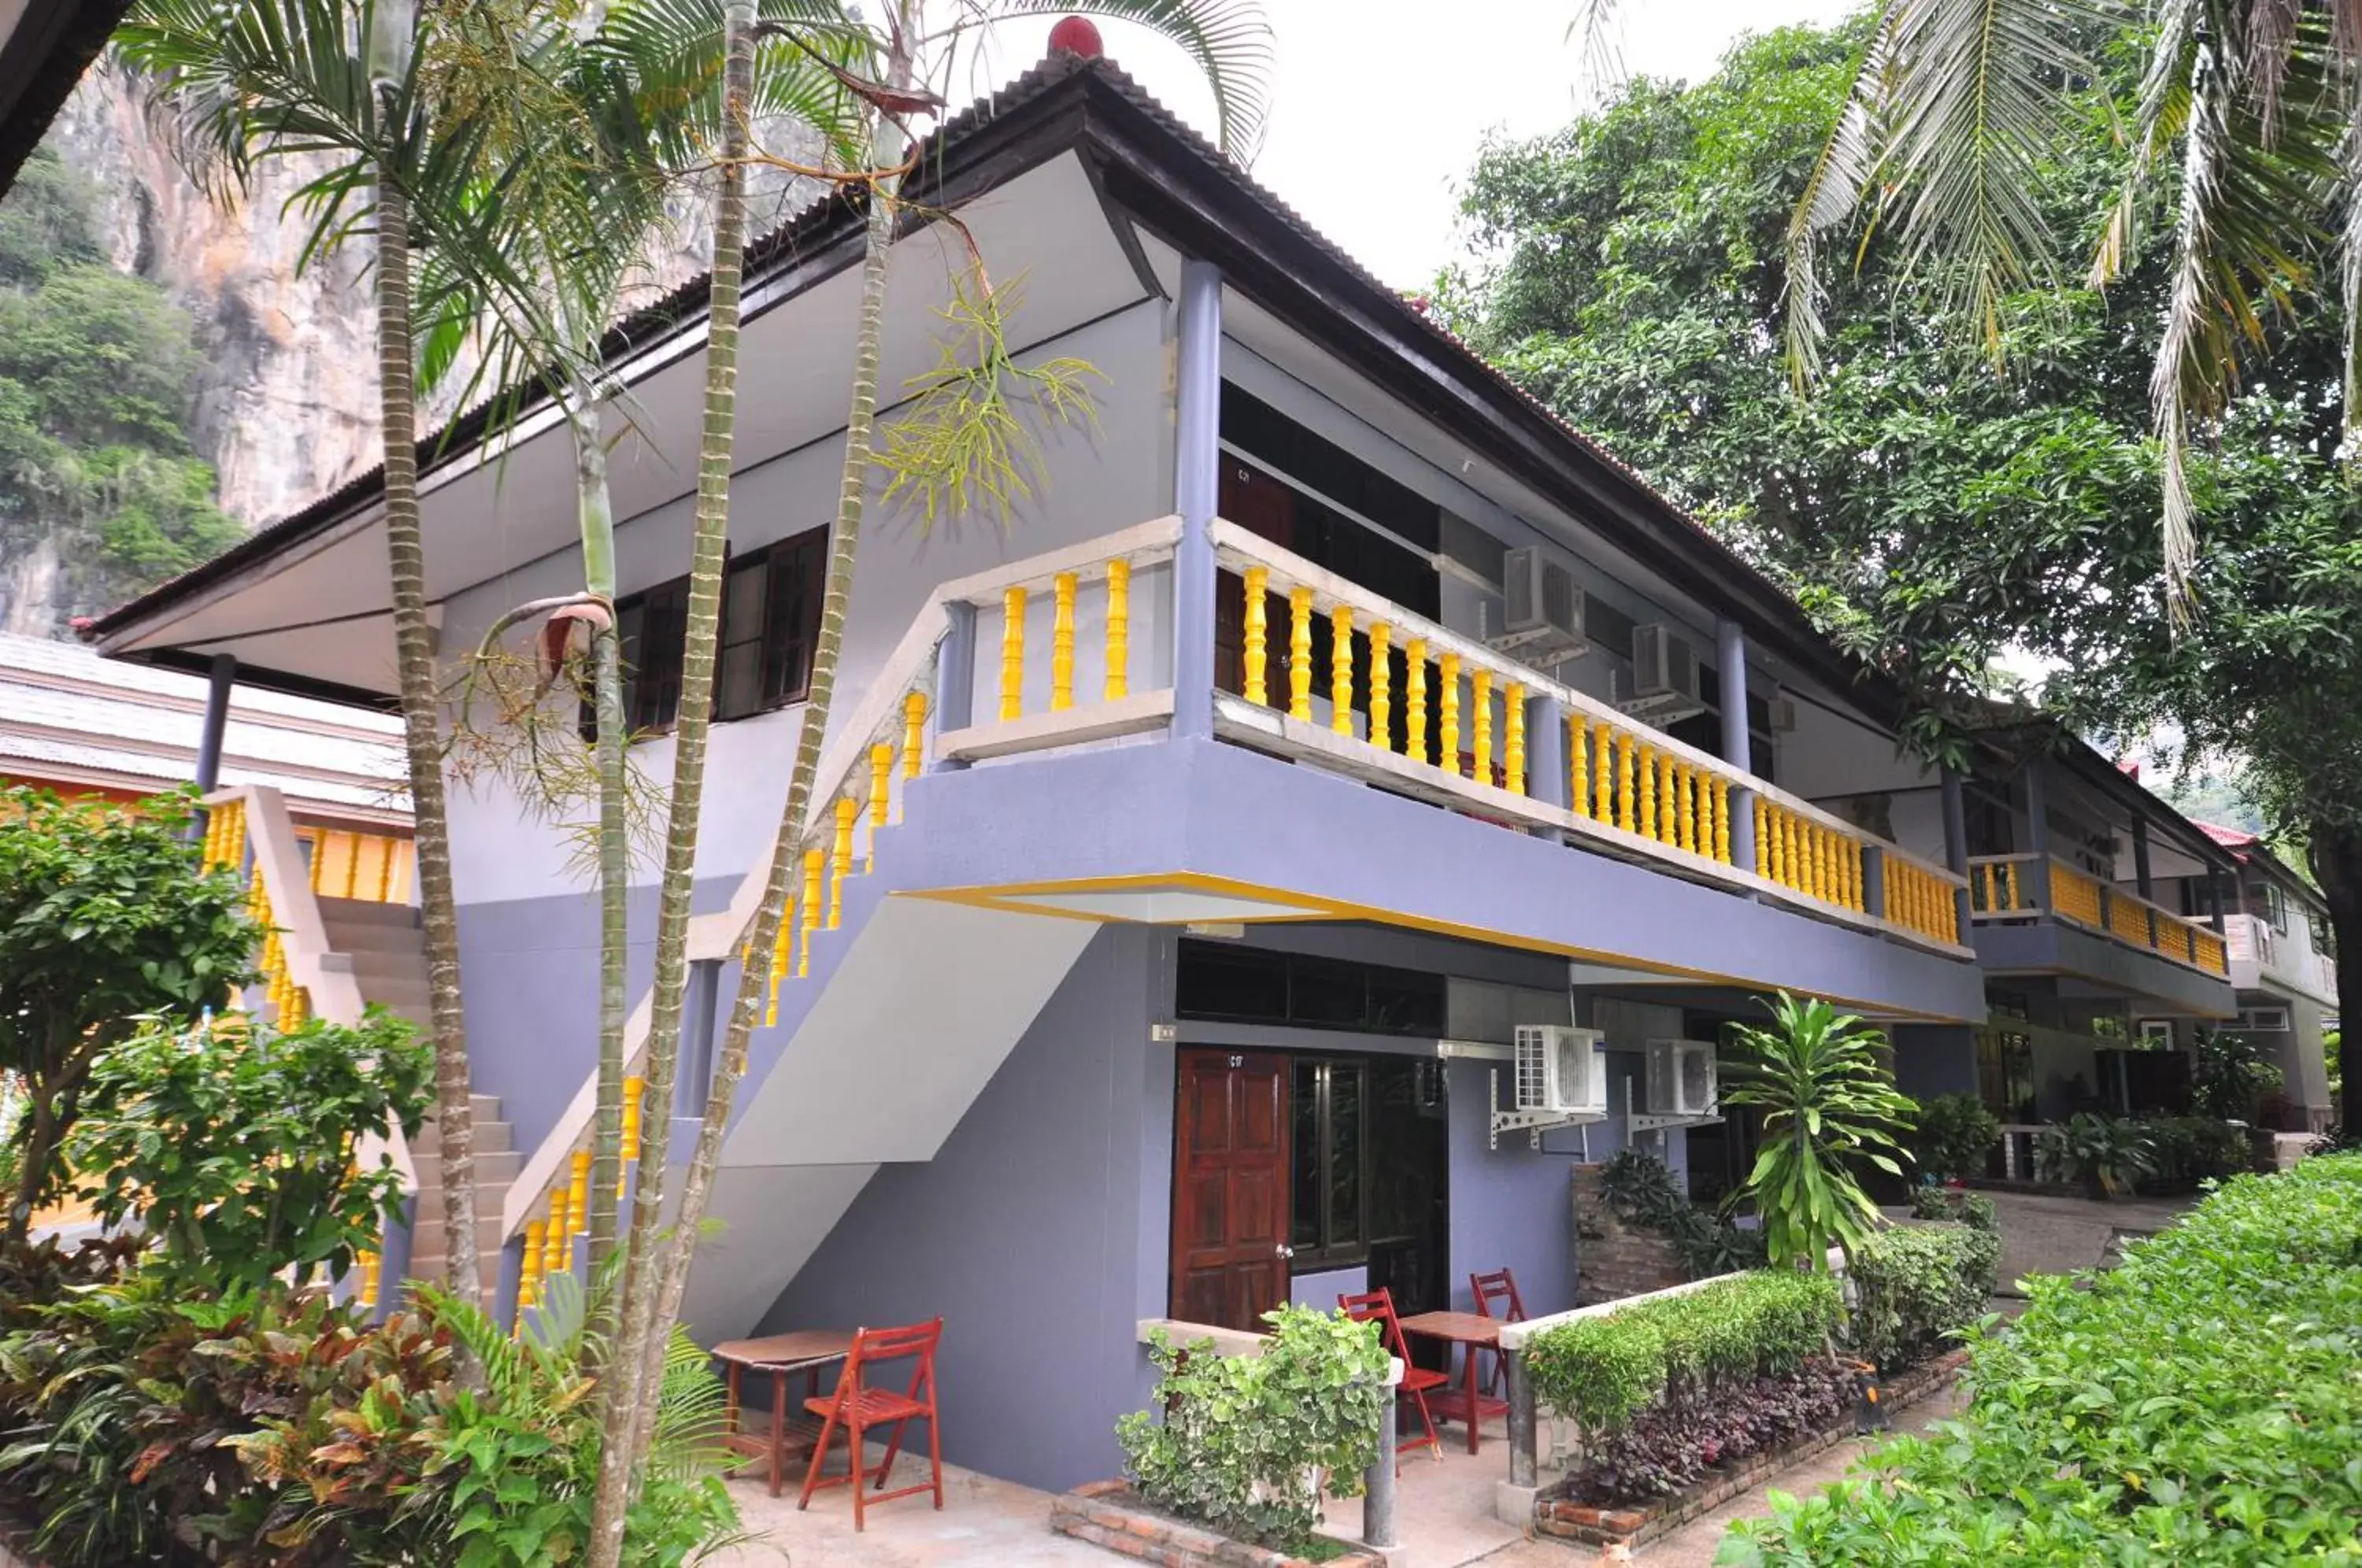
(1956, 1133)
(2194, 1406)
(1641, 1190)
(236, 1148)
(2098, 1150)
(1674, 1442)
(1827, 1103)
(1602, 1371)
(280, 1431)
(1242, 1436)
(1916, 1283)
(2231, 1071)
(2197, 1148)
(1950, 1203)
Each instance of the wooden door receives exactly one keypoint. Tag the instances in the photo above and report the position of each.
(1230, 1187)
(1266, 508)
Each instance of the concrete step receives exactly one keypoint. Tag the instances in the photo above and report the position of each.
(490, 1138)
(495, 1169)
(382, 971)
(404, 994)
(426, 1236)
(358, 913)
(373, 937)
(431, 1270)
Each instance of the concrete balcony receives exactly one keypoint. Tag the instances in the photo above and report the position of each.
(2035, 915)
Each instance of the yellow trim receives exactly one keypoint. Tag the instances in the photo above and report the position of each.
(997, 897)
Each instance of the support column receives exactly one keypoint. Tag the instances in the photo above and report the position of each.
(2037, 836)
(1738, 746)
(1524, 1466)
(954, 682)
(1956, 845)
(2141, 878)
(1197, 490)
(2214, 898)
(1546, 758)
(220, 680)
(1378, 1481)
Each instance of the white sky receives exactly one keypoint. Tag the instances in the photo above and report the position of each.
(1378, 106)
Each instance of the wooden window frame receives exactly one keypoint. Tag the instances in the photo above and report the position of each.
(795, 570)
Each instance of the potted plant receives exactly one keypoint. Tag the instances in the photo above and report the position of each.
(1955, 1137)
(2103, 1153)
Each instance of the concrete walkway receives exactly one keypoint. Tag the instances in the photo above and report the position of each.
(2056, 1234)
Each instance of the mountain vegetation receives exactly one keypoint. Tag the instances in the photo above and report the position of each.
(98, 479)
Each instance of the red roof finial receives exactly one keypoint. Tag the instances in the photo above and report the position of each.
(1077, 36)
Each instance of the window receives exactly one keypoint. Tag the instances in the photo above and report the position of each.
(1226, 982)
(770, 618)
(2264, 1020)
(2157, 1032)
(1331, 1153)
(1367, 1184)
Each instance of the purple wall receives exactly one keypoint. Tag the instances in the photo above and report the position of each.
(1031, 1232)
(1512, 1206)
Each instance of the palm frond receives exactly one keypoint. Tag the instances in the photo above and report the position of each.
(1229, 40)
(1833, 193)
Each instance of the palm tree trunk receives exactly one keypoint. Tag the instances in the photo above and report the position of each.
(421, 741)
(730, 1066)
(629, 1386)
(598, 517)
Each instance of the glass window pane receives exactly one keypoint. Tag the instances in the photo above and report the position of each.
(1403, 1001)
(742, 604)
(1327, 990)
(1304, 1206)
(1346, 1085)
(1218, 980)
(742, 681)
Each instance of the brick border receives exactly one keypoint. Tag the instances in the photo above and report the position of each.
(1110, 1514)
(1632, 1527)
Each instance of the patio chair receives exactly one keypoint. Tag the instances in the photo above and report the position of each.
(857, 1407)
(1501, 1287)
(1378, 1307)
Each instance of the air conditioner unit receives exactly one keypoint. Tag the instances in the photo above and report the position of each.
(1681, 1078)
(1783, 713)
(1562, 1071)
(1542, 609)
(1664, 665)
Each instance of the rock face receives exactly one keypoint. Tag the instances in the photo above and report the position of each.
(287, 407)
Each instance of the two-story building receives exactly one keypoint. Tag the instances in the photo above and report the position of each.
(2286, 974)
(1186, 856)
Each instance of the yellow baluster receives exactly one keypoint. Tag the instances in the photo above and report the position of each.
(814, 860)
(529, 1277)
(1722, 821)
(1762, 838)
(1118, 628)
(1626, 799)
(914, 734)
(318, 871)
(1480, 703)
(782, 951)
(1578, 765)
(635, 1090)
(1257, 654)
(1381, 718)
(881, 774)
(1341, 670)
(1773, 844)
(1062, 643)
(1603, 758)
(841, 859)
(578, 1200)
(1012, 654)
(1669, 800)
(353, 864)
(366, 1293)
(1299, 654)
(553, 1239)
(1415, 700)
(1800, 865)
(1686, 810)
(1513, 737)
(1447, 690)
(1648, 791)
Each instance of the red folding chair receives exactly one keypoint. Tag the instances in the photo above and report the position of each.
(1378, 1307)
(1500, 1287)
(857, 1406)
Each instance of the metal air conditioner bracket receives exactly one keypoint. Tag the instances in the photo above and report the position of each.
(1660, 709)
(1533, 1123)
(1641, 1121)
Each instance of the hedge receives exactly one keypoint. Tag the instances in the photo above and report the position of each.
(2200, 1404)
(1914, 1285)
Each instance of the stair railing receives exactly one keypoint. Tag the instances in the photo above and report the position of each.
(881, 744)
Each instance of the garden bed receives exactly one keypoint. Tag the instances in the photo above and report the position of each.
(1634, 1524)
(1110, 1514)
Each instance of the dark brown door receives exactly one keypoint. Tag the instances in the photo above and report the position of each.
(1266, 508)
(1230, 1189)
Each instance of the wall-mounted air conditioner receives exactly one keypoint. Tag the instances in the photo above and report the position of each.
(1783, 712)
(1562, 1071)
(1542, 609)
(1681, 1078)
(1664, 665)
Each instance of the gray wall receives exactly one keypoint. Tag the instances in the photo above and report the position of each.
(1032, 1232)
(1931, 1060)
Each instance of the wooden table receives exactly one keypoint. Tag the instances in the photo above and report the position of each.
(805, 1351)
(1474, 1332)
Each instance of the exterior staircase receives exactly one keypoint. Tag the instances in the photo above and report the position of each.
(388, 950)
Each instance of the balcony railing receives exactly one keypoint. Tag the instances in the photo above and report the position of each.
(2008, 887)
(2252, 940)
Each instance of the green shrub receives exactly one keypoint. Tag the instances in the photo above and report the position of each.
(2096, 1151)
(1242, 1436)
(1916, 1283)
(1640, 1189)
(1602, 1371)
(2195, 1405)
(1952, 1203)
(1956, 1133)
(2197, 1148)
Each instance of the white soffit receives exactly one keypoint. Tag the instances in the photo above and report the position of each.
(319, 610)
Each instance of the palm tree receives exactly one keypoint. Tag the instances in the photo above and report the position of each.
(1958, 107)
(1229, 40)
(255, 79)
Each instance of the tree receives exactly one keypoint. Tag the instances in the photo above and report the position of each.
(1228, 40)
(1933, 516)
(1828, 1102)
(354, 79)
(105, 918)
